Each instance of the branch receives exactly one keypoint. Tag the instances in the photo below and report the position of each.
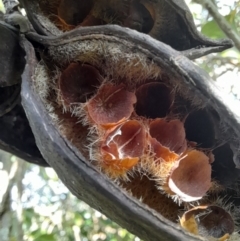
(5, 204)
(221, 21)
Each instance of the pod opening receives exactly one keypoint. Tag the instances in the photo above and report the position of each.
(124, 118)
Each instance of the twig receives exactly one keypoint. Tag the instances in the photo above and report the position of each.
(221, 21)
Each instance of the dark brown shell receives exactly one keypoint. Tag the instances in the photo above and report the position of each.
(12, 56)
(11, 67)
(15, 136)
(173, 26)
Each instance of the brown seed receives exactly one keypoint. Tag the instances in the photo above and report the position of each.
(122, 147)
(162, 153)
(126, 140)
(78, 82)
(111, 104)
(190, 178)
(169, 134)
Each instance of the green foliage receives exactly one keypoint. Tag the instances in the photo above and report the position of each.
(62, 216)
(212, 30)
(45, 237)
(49, 212)
(223, 67)
(2, 9)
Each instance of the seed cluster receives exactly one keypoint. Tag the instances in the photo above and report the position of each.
(135, 133)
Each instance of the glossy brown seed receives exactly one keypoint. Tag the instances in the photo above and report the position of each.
(123, 146)
(190, 178)
(111, 104)
(78, 82)
(162, 153)
(154, 100)
(126, 140)
(170, 134)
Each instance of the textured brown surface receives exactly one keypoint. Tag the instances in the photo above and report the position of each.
(144, 189)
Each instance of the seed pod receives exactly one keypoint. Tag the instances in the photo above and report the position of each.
(70, 139)
(67, 121)
(15, 136)
(11, 67)
(151, 17)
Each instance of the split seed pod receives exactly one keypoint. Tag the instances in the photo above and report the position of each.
(11, 67)
(69, 141)
(151, 17)
(126, 139)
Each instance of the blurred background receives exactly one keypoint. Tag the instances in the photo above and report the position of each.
(36, 206)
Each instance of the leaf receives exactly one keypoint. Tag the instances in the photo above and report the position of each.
(211, 28)
(45, 237)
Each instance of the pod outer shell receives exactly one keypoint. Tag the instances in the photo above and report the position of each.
(11, 56)
(83, 180)
(78, 175)
(16, 136)
(185, 36)
(12, 63)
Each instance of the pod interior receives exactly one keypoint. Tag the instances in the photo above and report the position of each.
(138, 123)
